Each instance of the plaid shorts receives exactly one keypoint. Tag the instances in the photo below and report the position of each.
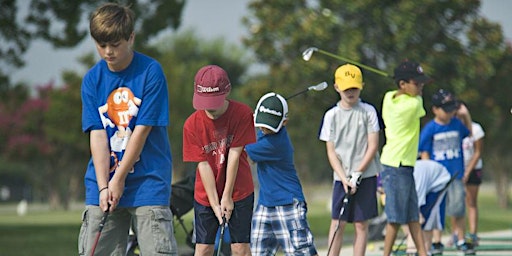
(282, 226)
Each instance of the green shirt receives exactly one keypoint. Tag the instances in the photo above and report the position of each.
(401, 117)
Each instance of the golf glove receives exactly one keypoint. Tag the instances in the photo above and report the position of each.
(355, 179)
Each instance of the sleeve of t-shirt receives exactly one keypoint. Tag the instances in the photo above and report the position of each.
(373, 120)
(192, 147)
(262, 150)
(90, 116)
(478, 131)
(325, 130)
(244, 132)
(426, 137)
(154, 109)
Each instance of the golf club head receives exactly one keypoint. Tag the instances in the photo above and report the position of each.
(306, 55)
(319, 87)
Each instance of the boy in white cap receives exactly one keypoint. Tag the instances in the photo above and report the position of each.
(214, 136)
(280, 216)
(351, 132)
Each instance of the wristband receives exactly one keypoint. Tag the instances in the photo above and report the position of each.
(102, 189)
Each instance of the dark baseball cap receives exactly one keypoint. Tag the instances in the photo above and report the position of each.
(410, 70)
(271, 112)
(446, 100)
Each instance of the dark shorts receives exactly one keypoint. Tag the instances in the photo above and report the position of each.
(475, 177)
(206, 224)
(361, 206)
(434, 211)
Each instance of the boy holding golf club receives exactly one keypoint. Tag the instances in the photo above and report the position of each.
(401, 111)
(126, 113)
(214, 136)
(351, 132)
(280, 217)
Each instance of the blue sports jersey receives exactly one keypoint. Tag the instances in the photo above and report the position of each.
(277, 176)
(117, 102)
(444, 144)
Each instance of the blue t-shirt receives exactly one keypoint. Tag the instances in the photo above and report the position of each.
(117, 102)
(444, 144)
(279, 183)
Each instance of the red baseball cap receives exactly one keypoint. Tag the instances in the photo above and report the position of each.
(211, 86)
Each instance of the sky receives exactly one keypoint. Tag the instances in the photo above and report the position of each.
(45, 64)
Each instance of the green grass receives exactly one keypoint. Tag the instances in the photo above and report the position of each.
(44, 232)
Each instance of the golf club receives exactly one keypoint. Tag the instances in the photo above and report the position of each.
(222, 227)
(342, 210)
(308, 53)
(102, 224)
(319, 87)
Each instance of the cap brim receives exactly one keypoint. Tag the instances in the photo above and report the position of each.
(450, 107)
(207, 103)
(422, 79)
(344, 87)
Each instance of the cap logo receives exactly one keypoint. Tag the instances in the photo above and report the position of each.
(347, 73)
(204, 89)
(420, 69)
(263, 109)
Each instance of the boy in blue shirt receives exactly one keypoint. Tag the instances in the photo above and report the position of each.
(125, 111)
(441, 141)
(280, 216)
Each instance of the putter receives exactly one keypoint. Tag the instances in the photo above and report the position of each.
(102, 224)
(319, 87)
(222, 227)
(308, 53)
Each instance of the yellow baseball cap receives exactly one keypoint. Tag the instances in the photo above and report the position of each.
(348, 76)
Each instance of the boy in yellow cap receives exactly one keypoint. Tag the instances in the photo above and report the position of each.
(351, 132)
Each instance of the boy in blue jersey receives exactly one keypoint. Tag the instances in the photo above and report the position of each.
(441, 141)
(280, 216)
(125, 111)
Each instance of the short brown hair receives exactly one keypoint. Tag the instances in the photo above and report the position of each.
(111, 22)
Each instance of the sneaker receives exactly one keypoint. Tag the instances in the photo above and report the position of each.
(473, 238)
(437, 249)
(466, 247)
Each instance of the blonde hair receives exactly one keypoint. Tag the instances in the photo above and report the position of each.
(111, 22)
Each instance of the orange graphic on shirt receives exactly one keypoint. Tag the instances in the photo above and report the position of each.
(121, 107)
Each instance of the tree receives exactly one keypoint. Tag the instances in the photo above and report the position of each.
(462, 51)
(65, 24)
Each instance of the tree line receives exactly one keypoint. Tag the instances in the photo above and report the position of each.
(41, 140)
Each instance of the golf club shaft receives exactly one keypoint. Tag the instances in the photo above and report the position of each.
(380, 72)
(296, 94)
(222, 227)
(342, 210)
(102, 224)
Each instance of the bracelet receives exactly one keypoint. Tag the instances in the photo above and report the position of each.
(102, 189)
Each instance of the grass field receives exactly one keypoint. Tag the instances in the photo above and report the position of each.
(44, 232)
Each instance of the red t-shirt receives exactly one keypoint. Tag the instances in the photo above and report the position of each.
(205, 139)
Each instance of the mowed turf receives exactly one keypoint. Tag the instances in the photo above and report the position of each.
(44, 232)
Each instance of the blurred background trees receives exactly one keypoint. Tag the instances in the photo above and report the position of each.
(43, 147)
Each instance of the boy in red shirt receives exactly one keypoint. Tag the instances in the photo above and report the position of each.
(214, 136)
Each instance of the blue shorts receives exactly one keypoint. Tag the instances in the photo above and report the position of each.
(361, 206)
(283, 227)
(206, 223)
(456, 199)
(434, 211)
(401, 198)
